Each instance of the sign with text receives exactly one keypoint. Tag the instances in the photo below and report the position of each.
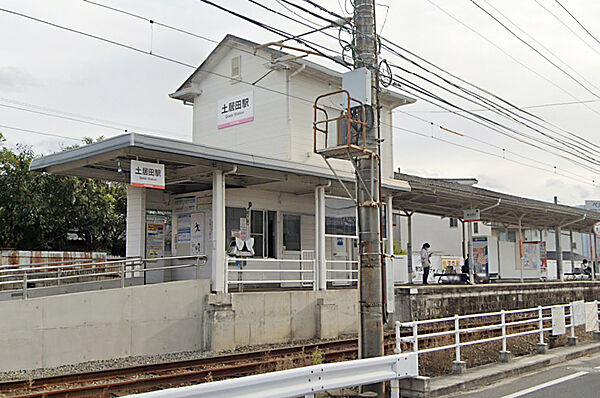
(592, 205)
(147, 175)
(235, 110)
(472, 215)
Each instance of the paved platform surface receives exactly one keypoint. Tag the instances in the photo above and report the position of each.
(521, 368)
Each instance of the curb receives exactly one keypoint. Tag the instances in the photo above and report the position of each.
(422, 387)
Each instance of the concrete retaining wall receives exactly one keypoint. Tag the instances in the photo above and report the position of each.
(79, 327)
(240, 319)
(427, 302)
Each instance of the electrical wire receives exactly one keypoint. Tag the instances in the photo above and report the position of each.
(141, 51)
(510, 56)
(534, 49)
(578, 22)
(510, 105)
(40, 132)
(402, 84)
(581, 151)
(567, 26)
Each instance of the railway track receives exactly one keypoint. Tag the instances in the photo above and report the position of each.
(142, 378)
(118, 382)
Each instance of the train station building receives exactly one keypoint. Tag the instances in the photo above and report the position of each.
(278, 225)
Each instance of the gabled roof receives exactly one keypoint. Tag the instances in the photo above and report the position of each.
(186, 91)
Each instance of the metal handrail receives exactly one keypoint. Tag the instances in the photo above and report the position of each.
(80, 260)
(132, 260)
(126, 266)
(458, 331)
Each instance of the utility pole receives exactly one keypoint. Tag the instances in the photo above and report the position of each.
(369, 201)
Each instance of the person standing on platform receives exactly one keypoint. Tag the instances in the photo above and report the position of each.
(425, 261)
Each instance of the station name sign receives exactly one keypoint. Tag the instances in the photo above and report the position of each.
(471, 215)
(235, 110)
(147, 175)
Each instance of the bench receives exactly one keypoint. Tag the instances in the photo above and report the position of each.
(576, 275)
(451, 277)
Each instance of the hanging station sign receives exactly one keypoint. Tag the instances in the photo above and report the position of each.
(235, 110)
(472, 215)
(147, 175)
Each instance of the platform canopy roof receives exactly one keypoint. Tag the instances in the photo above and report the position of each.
(450, 197)
(189, 166)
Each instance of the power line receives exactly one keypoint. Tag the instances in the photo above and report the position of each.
(506, 53)
(534, 49)
(39, 132)
(274, 30)
(579, 23)
(510, 105)
(502, 111)
(567, 26)
(78, 118)
(483, 122)
(141, 51)
(524, 107)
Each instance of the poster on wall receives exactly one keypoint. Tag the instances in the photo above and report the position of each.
(531, 255)
(155, 239)
(185, 205)
(204, 201)
(197, 234)
(480, 255)
(184, 232)
(235, 110)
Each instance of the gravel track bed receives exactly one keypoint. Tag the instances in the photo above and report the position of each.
(126, 362)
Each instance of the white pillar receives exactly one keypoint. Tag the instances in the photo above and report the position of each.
(520, 248)
(470, 251)
(389, 266)
(571, 250)
(218, 233)
(135, 245)
(409, 257)
(559, 260)
(320, 263)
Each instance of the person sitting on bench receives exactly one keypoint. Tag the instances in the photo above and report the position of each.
(586, 269)
(464, 277)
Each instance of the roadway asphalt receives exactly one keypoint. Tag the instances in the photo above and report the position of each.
(579, 378)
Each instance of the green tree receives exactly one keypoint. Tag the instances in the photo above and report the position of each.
(41, 211)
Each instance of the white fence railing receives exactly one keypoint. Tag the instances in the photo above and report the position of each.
(15, 278)
(304, 382)
(341, 272)
(533, 319)
(270, 271)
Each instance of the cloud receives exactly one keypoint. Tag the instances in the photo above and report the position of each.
(16, 79)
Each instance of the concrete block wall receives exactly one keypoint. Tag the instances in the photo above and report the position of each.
(241, 319)
(418, 303)
(79, 327)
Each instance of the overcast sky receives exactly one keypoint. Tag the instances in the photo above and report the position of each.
(47, 70)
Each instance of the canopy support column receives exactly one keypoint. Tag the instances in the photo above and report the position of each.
(218, 225)
(136, 224)
(409, 259)
(559, 263)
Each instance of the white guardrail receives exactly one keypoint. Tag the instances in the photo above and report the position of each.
(269, 271)
(301, 272)
(534, 317)
(303, 382)
(57, 273)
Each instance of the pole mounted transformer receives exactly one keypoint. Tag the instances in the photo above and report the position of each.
(369, 195)
(354, 135)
